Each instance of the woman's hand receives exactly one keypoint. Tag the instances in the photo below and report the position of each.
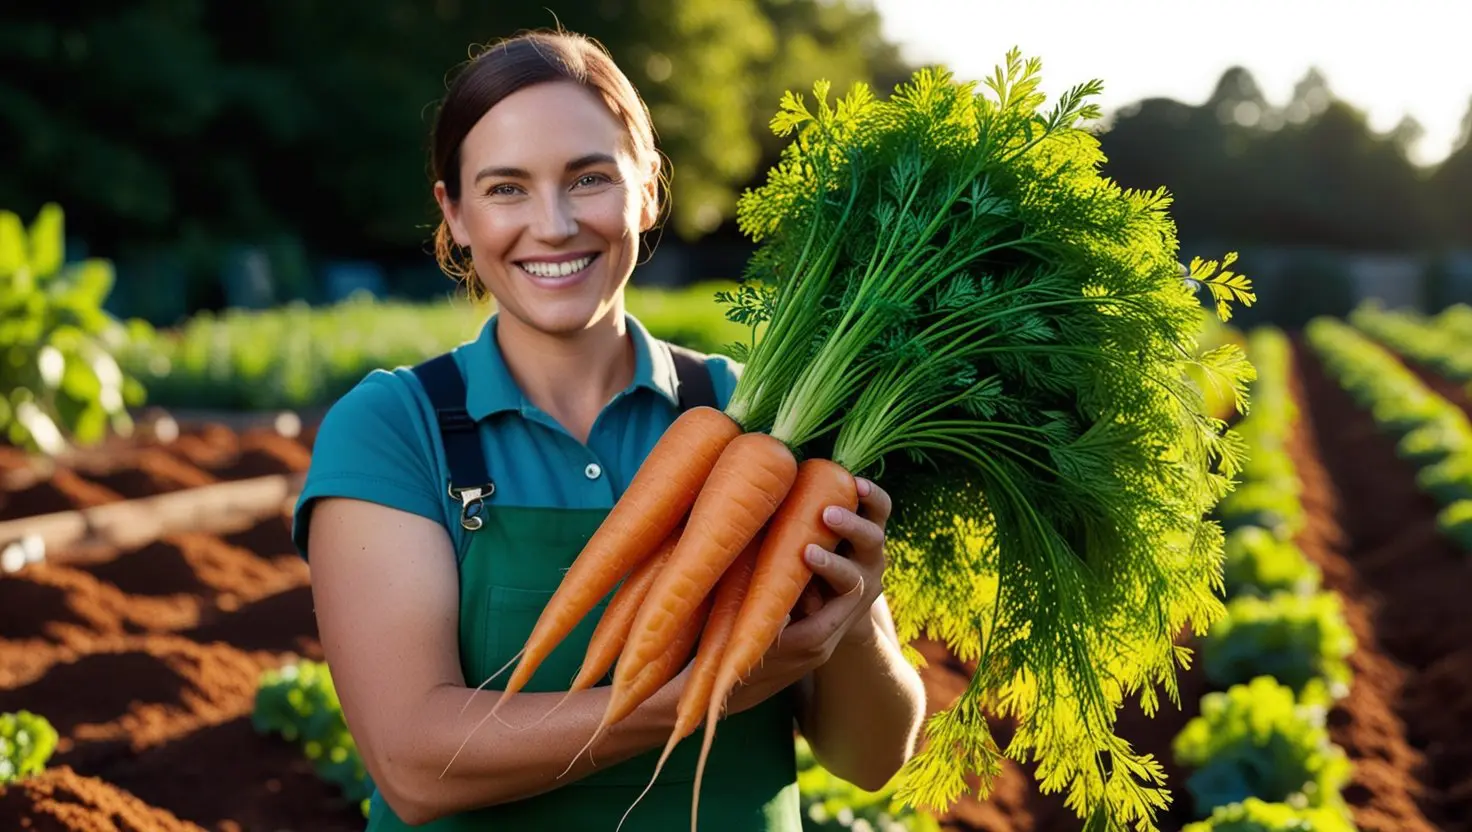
(835, 606)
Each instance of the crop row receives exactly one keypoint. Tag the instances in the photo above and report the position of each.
(1259, 750)
(1431, 432)
(298, 356)
(1442, 343)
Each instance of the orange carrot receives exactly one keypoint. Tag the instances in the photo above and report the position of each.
(777, 582)
(617, 620)
(720, 626)
(662, 491)
(746, 486)
(652, 676)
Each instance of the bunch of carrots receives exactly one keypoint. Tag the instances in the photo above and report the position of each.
(949, 298)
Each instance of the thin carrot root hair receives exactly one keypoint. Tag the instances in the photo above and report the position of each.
(719, 628)
(618, 619)
(625, 698)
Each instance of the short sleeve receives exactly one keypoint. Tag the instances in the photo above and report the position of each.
(724, 373)
(372, 445)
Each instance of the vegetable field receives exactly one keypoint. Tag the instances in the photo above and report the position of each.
(175, 667)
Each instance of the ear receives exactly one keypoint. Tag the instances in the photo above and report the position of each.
(649, 214)
(450, 210)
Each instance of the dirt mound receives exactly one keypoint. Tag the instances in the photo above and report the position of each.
(61, 800)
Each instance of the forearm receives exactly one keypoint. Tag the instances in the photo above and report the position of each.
(866, 706)
(503, 763)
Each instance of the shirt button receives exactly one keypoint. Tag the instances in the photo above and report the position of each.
(592, 471)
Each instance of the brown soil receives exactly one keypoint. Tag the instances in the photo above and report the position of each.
(147, 661)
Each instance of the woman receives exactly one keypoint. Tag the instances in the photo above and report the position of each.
(444, 501)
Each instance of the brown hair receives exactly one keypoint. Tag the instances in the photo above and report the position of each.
(502, 68)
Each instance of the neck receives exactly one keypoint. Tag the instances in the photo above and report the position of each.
(569, 376)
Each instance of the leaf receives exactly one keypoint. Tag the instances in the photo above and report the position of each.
(13, 255)
(47, 242)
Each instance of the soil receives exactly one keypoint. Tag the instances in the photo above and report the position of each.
(146, 660)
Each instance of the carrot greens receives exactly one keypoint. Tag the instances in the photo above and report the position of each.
(956, 302)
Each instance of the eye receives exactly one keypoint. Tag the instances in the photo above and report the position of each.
(504, 189)
(589, 180)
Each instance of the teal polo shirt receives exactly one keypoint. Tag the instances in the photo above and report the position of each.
(380, 442)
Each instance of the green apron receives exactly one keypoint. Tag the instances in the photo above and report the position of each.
(513, 562)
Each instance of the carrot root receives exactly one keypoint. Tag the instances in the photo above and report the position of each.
(662, 491)
(777, 583)
(744, 489)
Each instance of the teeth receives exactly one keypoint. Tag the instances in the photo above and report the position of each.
(557, 269)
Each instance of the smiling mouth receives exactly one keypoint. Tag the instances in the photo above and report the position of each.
(553, 271)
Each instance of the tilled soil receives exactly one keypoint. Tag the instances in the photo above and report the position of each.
(146, 661)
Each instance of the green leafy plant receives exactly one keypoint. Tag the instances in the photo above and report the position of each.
(1455, 521)
(1253, 815)
(26, 743)
(1259, 562)
(956, 300)
(59, 381)
(299, 703)
(1296, 639)
(1259, 740)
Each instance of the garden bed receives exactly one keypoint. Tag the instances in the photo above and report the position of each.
(146, 659)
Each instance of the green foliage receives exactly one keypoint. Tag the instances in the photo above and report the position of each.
(1258, 740)
(58, 378)
(26, 743)
(302, 357)
(831, 804)
(1455, 521)
(1427, 427)
(1296, 639)
(1259, 562)
(299, 703)
(1253, 815)
(1444, 349)
(1269, 489)
(957, 303)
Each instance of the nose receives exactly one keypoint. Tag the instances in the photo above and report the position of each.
(557, 221)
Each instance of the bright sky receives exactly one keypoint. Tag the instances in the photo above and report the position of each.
(1388, 59)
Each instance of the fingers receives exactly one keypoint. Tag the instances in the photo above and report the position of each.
(843, 574)
(874, 501)
(866, 536)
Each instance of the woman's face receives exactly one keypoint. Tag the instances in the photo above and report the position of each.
(551, 205)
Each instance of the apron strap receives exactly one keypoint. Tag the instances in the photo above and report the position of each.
(470, 482)
(695, 385)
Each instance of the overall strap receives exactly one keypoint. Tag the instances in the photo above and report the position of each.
(470, 483)
(695, 385)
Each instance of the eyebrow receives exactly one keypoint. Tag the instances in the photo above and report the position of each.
(584, 161)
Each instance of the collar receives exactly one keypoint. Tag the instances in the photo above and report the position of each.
(490, 387)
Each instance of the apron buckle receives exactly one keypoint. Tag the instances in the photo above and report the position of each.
(471, 499)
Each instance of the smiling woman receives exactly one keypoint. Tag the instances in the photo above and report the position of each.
(445, 503)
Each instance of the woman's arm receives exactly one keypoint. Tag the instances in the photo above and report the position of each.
(385, 589)
(863, 708)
